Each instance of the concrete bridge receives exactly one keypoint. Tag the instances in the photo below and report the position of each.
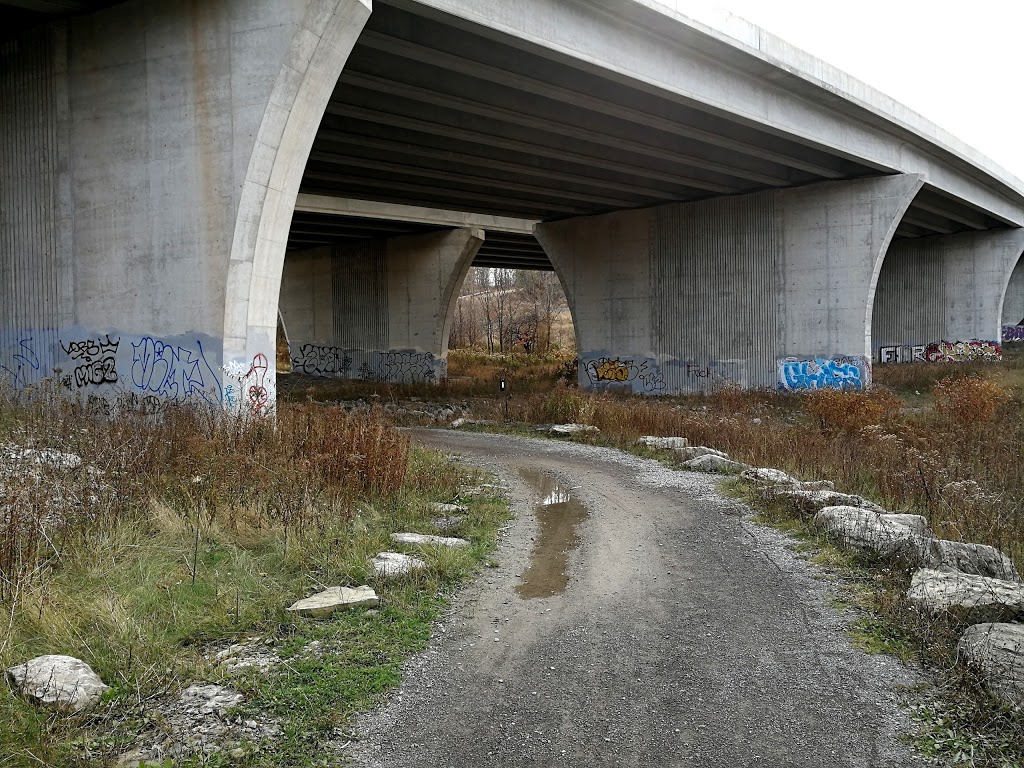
(176, 175)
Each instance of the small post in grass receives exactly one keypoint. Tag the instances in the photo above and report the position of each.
(504, 390)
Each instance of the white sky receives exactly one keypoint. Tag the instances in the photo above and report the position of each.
(959, 63)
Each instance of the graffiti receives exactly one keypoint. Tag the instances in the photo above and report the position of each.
(821, 373)
(1013, 333)
(20, 363)
(174, 372)
(902, 354)
(406, 366)
(254, 391)
(963, 351)
(317, 360)
(97, 362)
(258, 394)
(617, 371)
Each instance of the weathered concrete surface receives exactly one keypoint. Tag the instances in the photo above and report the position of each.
(376, 310)
(654, 313)
(686, 636)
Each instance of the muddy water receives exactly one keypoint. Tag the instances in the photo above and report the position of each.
(559, 514)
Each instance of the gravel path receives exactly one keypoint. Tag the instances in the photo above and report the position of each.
(685, 636)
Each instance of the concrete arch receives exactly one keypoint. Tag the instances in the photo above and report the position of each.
(1011, 306)
(943, 288)
(319, 50)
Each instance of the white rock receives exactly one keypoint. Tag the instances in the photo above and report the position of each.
(977, 559)
(61, 682)
(335, 599)
(971, 599)
(572, 429)
(712, 463)
(768, 476)
(388, 564)
(886, 535)
(447, 509)
(696, 451)
(814, 500)
(458, 423)
(448, 523)
(421, 538)
(663, 442)
(48, 457)
(209, 699)
(997, 650)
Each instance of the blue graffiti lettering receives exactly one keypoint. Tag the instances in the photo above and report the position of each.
(174, 372)
(820, 373)
(20, 363)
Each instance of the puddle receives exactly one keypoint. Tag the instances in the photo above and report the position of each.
(559, 514)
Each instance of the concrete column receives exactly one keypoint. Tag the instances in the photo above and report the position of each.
(150, 157)
(379, 309)
(940, 298)
(771, 289)
(1013, 305)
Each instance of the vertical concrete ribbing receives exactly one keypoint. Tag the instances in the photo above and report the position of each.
(713, 286)
(359, 284)
(910, 297)
(28, 227)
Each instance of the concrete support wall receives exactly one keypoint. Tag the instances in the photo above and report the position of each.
(150, 155)
(766, 290)
(379, 309)
(1013, 305)
(939, 298)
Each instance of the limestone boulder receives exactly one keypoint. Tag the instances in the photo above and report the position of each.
(421, 538)
(696, 451)
(997, 652)
(811, 501)
(711, 463)
(885, 535)
(976, 559)
(392, 564)
(766, 476)
(442, 508)
(968, 598)
(572, 429)
(664, 443)
(333, 599)
(58, 682)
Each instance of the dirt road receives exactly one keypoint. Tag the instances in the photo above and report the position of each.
(679, 635)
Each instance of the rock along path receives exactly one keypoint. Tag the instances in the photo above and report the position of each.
(684, 636)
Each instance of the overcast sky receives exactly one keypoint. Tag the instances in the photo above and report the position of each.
(959, 63)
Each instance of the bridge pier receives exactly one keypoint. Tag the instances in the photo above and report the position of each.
(150, 158)
(377, 309)
(771, 289)
(940, 298)
(1013, 305)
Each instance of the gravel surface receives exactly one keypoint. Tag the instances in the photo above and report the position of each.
(686, 636)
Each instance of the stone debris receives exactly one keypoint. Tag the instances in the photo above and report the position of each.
(441, 508)
(462, 422)
(197, 722)
(421, 538)
(712, 463)
(572, 429)
(334, 599)
(997, 651)
(458, 422)
(58, 682)
(971, 599)
(390, 564)
(696, 451)
(885, 535)
(651, 441)
(975, 559)
(768, 476)
(254, 653)
(45, 457)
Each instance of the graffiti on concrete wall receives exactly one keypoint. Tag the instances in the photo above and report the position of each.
(615, 370)
(1013, 333)
(318, 360)
(963, 351)
(796, 375)
(906, 353)
(94, 361)
(247, 386)
(174, 372)
(406, 366)
(19, 364)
